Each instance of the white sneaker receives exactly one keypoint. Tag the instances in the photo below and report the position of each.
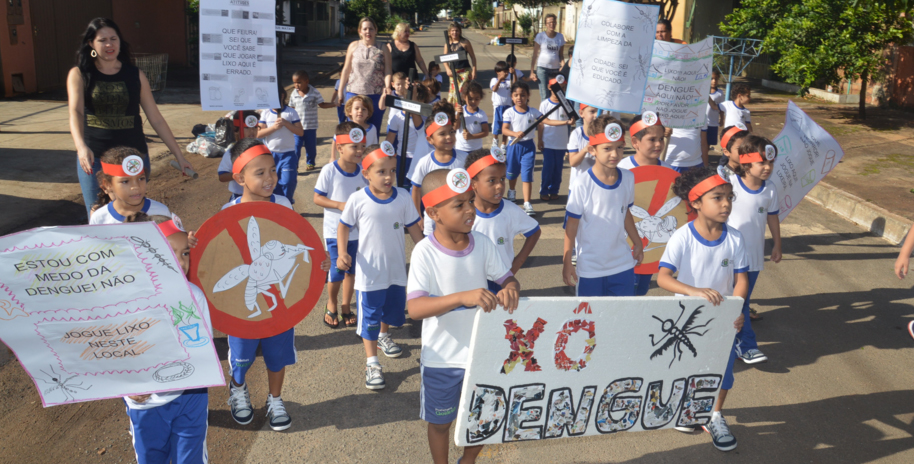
(753, 356)
(374, 377)
(528, 208)
(276, 413)
(240, 401)
(512, 195)
(720, 433)
(389, 347)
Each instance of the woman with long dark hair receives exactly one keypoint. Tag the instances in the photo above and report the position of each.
(105, 92)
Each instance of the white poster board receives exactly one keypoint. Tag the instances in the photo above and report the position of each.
(238, 55)
(96, 312)
(679, 83)
(806, 154)
(570, 367)
(612, 55)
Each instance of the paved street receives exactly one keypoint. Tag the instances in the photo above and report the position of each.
(839, 386)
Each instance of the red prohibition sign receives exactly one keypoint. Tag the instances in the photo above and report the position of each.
(652, 203)
(223, 247)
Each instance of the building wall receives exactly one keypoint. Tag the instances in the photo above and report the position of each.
(19, 58)
(154, 27)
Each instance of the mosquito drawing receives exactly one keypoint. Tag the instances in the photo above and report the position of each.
(64, 385)
(644, 63)
(646, 20)
(586, 14)
(676, 336)
(656, 228)
(273, 263)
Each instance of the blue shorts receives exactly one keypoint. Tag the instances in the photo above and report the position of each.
(682, 169)
(711, 135)
(642, 284)
(386, 305)
(278, 352)
(621, 284)
(336, 275)
(498, 119)
(494, 287)
(173, 432)
(521, 157)
(439, 393)
(727, 383)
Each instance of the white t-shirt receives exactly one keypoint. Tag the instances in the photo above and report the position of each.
(474, 123)
(521, 121)
(554, 137)
(278, 199)
(108, 215)
(338, 185)
(371, 135)
(714, 114)
(751, 209)
(428, 163)
(734, 114)
(436, 271)
(502, 225)
(225, 167)
(416, 134)
(705, 264)
(283, 140)
(549, 50)
(578, 141)
(440, 80)
(684, 149)
(381, 260)
(601, 245)
(501, 95)
(629, 163)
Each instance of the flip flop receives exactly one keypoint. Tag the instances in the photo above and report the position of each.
(336, 318)
(349, 319)
(753, 315)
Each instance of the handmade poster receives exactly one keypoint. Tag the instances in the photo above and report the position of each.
(103, 311)
(612, 55)
(259, 266)
(657, 211)
(806, 154)
(572, 367)
(679, 83)
(238, 55)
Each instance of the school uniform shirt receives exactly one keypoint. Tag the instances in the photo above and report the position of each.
(428, 163)
(437, 271)
(521, 121)
(440, 80)
(684, 149)
(601, 245)
(338, 185)
(416, 135)
(554, 137)
(502, 225)
(283, 140)
(278, 199)
(108, 215)
(706, 264)
(734, 114)
(474, 123)
(578, 141)
(381, 261)
(306, 106)
(629, 163)
(714, 114)
(751, 209)
(225, 167)
(163, 398)
(501, 95)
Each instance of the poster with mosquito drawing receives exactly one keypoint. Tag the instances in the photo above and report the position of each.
(657, 211)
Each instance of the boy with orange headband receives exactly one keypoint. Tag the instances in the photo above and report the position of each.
(447, 281)
(122, 192)
(730, 141)
(712, 263)
(380, 212)
(647, 140)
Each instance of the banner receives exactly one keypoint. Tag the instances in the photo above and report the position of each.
(806, 154)
(571, 367)
(612, 55)
(679, 83)
(238, 55)
(96, 312)
(657, 211)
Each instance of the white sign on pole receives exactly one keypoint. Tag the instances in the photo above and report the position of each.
(238, 55)
(612, 55)
(96, 312)
(679, 83)
(571, 367)
(285, 29)
(806, 154)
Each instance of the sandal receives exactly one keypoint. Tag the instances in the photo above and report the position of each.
(754, 316)
(336, 318)
(350, 319)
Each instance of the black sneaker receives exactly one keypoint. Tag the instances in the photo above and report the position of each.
(240, 401)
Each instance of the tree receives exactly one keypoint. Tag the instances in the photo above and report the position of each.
(825, 41)
(481, 13)
(355, 10)
(528, 5)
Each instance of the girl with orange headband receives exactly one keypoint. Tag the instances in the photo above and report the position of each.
(730, 141)
(712, 263)
(122, 183)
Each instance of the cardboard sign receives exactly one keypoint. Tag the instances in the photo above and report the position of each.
(95, 312)
(612, 55)
(679, 83)
(571, 367)
(451, 57)
(259, 265)
(658, 212)
(409, 106)
(513, 41)
(806, 154)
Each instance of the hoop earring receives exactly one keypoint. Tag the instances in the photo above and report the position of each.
(93, 54)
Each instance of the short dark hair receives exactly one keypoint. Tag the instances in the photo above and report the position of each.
(734, 137)
(475, 156)
(753, 144)
(665, 22)
(432, 85)
(473, 87)
(689, 179)
(433, 64)
(740, 89)
(641, 132)
(242, 146)
(511, 59)
(344, 127)
(501, 66)
(599, 123)
(520, 85)
(399, 75)
(444, 106)
(301, 74)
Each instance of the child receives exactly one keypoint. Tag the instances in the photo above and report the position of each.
(434, 89)
(647, 140)
(380, 212)
(729, 144)
(755, 205)
(712, 112)
(477, 121)
(901, 266)
(579, 157)
(522, 154)
(501, 96)
(306, 99)
(336, 183)
(735, 110)
(712, 263)
(497, 219)
(416, 136)
(359, 110)
(447, 277)
(399, 88)
(278, 129)
(685, 149)
(553, 140)
(122, 192)
(598, 219)
(434, 72)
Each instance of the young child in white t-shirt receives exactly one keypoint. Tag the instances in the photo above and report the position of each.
(416, 145)
(500, 85)
(579, 157)
(278, 129)
(122, 188)
(735, 110)
(522, 154)
(359, 110)
(730, 141)
(553, 141)
(447, 280)
(712, 112)
(477, 121)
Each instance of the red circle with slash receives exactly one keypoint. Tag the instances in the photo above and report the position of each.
(653, 201)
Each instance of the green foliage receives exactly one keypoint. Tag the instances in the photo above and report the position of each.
(525, 22)
(355, 10)
(481, 13)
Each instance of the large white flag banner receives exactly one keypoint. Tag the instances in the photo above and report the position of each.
(571, 367)
(238, 55)
(96, 312)
(612, 55)
(679, 83)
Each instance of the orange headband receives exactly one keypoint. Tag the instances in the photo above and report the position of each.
(648, 119)
(486, 161)
(440, 120)
(386, 149)
(611, 133)
(458, 182)
(169, 228)
(727, 136)
(750, 158)
(705, 186)
(131, 166)
(356, 135)
(248, 155)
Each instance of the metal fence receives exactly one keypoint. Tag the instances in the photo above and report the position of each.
(155, 66)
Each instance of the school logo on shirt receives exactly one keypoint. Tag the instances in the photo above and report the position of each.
(623, 209)
(396, 225)
(761, 209)
(725, 263)
(501, 240)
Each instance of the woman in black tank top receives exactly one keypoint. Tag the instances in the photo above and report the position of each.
(402, 60)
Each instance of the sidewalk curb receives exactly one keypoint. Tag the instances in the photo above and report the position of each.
(881, 222)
